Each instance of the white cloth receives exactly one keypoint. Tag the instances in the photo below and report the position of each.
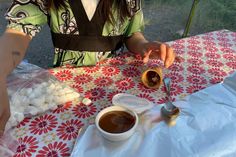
(90, 7)
(205, 128)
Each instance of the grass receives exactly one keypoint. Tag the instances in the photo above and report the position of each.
(166, 17)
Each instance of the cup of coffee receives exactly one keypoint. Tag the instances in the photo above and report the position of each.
(116, 123)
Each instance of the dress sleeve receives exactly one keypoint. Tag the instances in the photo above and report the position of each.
(136, 24)
(27, 16)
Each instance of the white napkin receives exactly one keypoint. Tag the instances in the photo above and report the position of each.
(205, 128)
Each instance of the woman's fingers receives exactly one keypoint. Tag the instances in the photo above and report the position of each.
(163, 49)
(170, 57)
(146, 56)
(159, 50)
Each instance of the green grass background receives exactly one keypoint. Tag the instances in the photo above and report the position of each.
(164, 18)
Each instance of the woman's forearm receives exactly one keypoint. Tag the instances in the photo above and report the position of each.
(13, 45)
(135, 42)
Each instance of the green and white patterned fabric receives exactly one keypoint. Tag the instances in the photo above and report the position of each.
(29, 16)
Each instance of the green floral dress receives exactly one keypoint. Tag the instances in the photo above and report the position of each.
(29, 16)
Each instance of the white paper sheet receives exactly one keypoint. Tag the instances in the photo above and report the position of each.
(206, 127)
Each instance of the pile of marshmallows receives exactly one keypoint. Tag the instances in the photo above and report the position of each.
(38, 98)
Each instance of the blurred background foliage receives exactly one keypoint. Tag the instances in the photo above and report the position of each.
(166, 19)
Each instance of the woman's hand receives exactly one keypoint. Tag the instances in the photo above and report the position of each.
(157, 50)
(13, 45)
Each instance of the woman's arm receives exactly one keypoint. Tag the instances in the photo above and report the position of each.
(138, 44)
(13, 45)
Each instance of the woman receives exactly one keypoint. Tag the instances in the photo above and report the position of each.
(84, 32)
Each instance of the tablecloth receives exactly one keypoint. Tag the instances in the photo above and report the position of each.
(203, 60)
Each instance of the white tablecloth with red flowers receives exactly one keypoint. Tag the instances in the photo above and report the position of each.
(202, 60)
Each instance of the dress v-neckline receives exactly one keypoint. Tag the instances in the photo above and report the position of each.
(85, 13)
(94, 4)
(85, 26)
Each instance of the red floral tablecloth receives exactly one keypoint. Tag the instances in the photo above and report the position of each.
(203, 60)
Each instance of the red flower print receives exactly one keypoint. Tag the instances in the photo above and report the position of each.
(102, 62)
(229, 56)
(194, 37)
(217, 72)
(91, 69)
(179, 51)
(174, 90)
(176, 67)
(125, 84)
(70, 66)
(54, 150)
(216, 80)
(227, 50)
(84, 111)
(63, 107)
(83, 78)
(233, 34)
(64, 75)
(211, 49)
(95, 94)
(231, 64)
(136, 62)
(175, 77)
(193, 41)
(225, 44)
(221, 34)
(110, 70)
(117, 61)
(23, 122)
(154, 63)
(194, 48)
(196, 69)
(131, 72)
(51, 71)
(195, 61)
(207, 38)
(180, 41)
(212, 55)
(214, 63)
(195, 79)
(27, 146)
(194, 88)
(43, 124)
(69, 129)
(111, 94)
(164, 100)
(179, 59)
(137, 57)
(147, 96)
(209, 43)
(78, 88)
(195, 54)
(177, 46)
(223, 39)
(144, 89)
(103, 81)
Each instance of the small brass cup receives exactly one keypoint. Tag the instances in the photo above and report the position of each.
(152, 77)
